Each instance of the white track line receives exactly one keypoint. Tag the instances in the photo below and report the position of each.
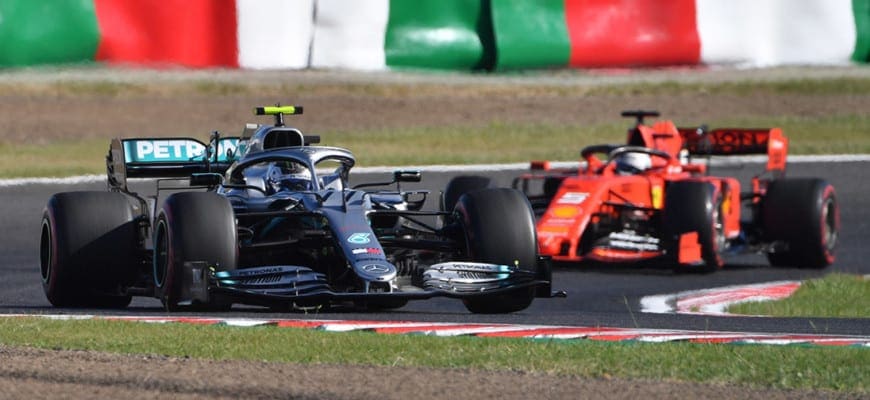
(545, 332)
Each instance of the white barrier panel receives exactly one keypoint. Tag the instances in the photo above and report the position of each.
(350, 34)
(761, 33)
(274, 34)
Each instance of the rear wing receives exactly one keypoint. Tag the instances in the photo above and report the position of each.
(737, 141)
(168, 158)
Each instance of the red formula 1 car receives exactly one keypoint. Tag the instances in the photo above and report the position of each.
(652, 199)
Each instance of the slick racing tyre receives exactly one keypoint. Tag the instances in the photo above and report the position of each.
(461, 185)
(692, 206)
(802, 219)
(88, 249)
(499, 228)
(192, 226)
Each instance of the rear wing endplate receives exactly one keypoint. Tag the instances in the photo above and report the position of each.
(738, 141)
(167, 158)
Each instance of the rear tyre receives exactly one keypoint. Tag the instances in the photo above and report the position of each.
(499, 228)
(804, 217)
(692, 206)
(461, 185)
(88, 249)
(192, 226)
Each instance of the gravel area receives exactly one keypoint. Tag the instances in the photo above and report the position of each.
(33, 373)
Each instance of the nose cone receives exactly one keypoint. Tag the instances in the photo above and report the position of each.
(375, 271)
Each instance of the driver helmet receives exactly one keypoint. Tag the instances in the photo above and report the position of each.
(289, 176)
(632, 163)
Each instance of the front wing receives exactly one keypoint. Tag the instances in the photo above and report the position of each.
(288, 285)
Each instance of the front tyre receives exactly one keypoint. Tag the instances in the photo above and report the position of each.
(461, 185)
(192, 226)
(499, 228)
(88, 248)
(802, 217)
(695, 206)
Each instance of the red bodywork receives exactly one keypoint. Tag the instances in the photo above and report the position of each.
(599, 214)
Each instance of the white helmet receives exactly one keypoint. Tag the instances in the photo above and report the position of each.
(632, 163)
(289, 176)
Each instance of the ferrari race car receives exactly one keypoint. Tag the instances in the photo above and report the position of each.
(269, 219)
(652, 199)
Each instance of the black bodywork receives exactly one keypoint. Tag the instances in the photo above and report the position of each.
(325, 244)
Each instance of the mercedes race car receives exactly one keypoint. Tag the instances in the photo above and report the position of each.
(269, 219)
(653, 199)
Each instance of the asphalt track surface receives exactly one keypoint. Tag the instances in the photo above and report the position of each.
(599, 296)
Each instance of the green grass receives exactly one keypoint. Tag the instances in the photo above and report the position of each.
(499, 143)
(56, 159)
(833, 368)
(496, 142)
(835, 295)
(492, 143)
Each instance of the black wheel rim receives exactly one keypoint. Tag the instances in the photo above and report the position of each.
(719, 239)
(829, 224)
(45, 250)
(161, 254)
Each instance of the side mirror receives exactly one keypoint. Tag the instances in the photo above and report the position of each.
(206, 179)
(398, 177)
(407, 176)
(702, 130)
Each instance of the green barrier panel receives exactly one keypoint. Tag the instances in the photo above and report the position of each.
(530, 33)
(438, 34)
(861, 10)
(40, 32)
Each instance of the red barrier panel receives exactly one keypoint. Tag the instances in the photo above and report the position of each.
(192, 33)
(614, 33)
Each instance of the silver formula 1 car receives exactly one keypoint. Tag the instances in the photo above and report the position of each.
(269, 219)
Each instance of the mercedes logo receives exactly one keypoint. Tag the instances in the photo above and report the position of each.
(375, 268)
